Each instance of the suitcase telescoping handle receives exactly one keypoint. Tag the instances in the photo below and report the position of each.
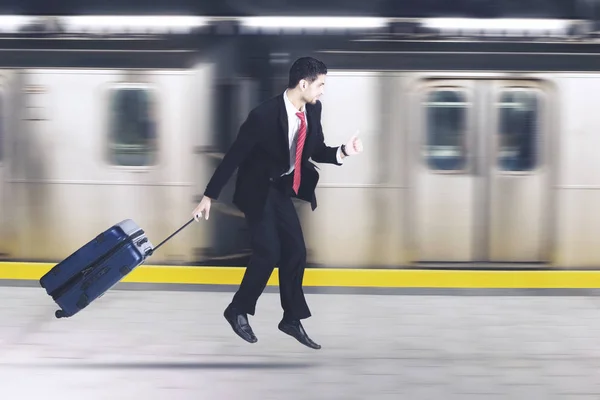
(170, 236)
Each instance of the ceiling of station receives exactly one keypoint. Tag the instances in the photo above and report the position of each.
(571, 9)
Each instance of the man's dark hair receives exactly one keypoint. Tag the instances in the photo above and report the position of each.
(306, 68)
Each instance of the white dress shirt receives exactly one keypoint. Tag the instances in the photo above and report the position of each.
(294, 127)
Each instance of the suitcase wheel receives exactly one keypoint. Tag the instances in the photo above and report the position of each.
(59, 314)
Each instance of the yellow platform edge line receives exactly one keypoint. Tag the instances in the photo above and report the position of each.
(328, 277)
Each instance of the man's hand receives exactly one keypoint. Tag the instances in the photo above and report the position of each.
(354, 145)
(203, 206)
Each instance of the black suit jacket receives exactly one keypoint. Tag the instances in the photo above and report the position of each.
(261, 154)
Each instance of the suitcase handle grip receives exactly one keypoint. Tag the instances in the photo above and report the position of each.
(170, 236)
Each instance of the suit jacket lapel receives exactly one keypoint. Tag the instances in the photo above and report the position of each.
(309, 128)
(283, 140)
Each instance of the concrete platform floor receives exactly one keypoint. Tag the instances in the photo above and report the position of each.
(177, 345)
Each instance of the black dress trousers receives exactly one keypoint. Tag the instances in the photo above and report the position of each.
(276, 239)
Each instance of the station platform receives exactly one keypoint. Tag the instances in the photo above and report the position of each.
(157, 341)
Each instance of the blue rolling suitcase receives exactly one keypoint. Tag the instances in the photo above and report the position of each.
(97, 266)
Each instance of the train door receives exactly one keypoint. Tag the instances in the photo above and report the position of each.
(228, 243)
(481, 177)
(6, 216)
(3, 174)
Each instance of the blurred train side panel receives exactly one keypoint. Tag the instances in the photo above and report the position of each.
(461, 168)
(92, 146)
(464, 167)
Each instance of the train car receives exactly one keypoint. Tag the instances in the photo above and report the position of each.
(479, 152)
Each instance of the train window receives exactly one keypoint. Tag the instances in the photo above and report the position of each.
(446, 111)
(133, 140)
(517, 130)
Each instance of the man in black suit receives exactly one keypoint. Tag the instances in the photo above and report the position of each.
(272, 152)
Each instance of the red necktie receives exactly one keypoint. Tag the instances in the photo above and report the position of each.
(299, 146)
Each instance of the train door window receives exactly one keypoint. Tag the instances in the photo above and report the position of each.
(446, 134)
(517, 130)
(133, 126)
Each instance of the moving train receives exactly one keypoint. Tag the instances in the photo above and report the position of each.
(480, 152)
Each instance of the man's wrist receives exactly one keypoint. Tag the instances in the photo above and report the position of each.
(343, 148)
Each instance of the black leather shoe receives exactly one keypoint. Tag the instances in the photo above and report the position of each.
(239, 323)
(296, 330)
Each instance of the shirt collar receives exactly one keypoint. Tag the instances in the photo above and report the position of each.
(291, 110)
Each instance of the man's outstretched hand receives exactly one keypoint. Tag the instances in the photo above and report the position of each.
(203, 207)
(354, 145)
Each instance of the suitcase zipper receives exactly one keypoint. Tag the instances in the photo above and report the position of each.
(59, 291)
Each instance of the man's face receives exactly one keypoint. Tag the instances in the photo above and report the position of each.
(314, 90)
